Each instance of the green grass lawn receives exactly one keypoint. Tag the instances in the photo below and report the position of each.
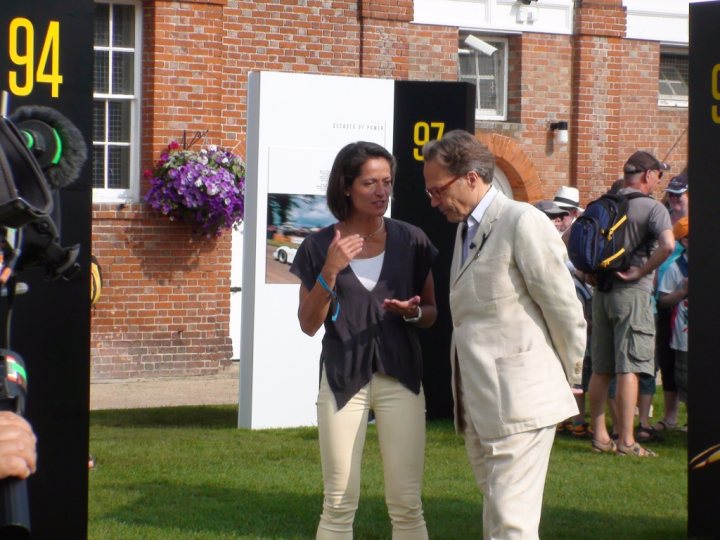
(188, 473)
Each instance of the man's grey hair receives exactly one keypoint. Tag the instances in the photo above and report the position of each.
(460, 152)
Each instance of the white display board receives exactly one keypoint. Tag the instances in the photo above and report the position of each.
(296, 125)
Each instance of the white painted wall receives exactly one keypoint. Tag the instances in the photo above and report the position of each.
(500, 16)
(656, 20)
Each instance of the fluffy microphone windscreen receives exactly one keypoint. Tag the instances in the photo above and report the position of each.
(73, 147)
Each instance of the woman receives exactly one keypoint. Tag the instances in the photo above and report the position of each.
(367, 279)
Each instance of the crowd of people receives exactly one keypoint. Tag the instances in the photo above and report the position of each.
(532, 336)
(639, 326)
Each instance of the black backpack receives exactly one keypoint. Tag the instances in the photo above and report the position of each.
(597, 237)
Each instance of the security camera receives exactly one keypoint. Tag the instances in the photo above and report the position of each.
(480, 45)
(527, 2)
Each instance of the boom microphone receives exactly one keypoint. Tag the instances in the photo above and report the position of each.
(24, 194)
(41, 152)
(55, 142)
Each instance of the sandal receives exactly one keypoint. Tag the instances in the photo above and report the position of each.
(581, 431)
(634, 450)
(564, 428)
(662, 425)
(603, 447)
(647, 434)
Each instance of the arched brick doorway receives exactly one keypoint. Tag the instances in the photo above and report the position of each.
(516, 165)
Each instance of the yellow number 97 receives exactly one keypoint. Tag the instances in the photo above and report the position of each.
(25, 59)
(422, 134)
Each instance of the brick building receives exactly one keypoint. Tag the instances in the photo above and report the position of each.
(614, 70)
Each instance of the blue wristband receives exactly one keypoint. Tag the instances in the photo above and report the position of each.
(333, 294)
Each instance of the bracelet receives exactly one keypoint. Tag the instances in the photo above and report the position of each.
(414, 319)
(333, 295)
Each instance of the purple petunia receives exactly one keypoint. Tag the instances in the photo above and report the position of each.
(205, 188)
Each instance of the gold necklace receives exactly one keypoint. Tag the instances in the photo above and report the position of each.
(368, 236)
(380, 228)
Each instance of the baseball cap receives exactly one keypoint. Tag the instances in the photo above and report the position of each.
(550, 208)
(678, 184)
(642, 161)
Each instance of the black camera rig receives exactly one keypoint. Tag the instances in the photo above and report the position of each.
(41, 152)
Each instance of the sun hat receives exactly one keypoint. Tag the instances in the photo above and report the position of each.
(550, 208)
(568, 197)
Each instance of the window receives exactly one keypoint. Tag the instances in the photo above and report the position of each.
(483, 63)
(116, 93)
(673, 79)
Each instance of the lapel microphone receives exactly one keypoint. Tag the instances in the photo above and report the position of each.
(482, 243)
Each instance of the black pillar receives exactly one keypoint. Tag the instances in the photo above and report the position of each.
(47, 59)
(704, 368)
(423, 112)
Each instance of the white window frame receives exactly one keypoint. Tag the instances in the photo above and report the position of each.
(488, 114)
(132, 192)
(670, 100)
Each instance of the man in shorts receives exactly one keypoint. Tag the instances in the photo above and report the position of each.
(623, 337)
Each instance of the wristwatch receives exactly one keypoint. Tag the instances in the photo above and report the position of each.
(416, 318)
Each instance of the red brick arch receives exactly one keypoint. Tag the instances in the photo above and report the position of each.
(516, 164)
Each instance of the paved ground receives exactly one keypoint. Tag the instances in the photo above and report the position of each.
(140, 393)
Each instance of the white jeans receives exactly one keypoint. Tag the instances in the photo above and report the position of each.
(400, 420)
(511, 474)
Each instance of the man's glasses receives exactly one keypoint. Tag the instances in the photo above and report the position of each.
(660, 173)
(435, 192)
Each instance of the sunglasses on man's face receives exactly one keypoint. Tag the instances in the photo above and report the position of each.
(660, 173)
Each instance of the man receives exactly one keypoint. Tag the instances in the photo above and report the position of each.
(623, 336)
(554, 213)
(568, 199)
(18, 455)
(519, 333)
(577, 427)
(677, 197)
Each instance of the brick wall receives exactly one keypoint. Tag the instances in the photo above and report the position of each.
(432, 53)
(165, 304)
(616, 95)
(545, 96)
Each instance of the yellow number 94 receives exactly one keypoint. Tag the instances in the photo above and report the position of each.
(22, 54)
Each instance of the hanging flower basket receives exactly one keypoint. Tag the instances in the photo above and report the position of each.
(204, 188)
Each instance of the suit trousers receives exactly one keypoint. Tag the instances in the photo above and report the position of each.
(511, 474)
(400, 420)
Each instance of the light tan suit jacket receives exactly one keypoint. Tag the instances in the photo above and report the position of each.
(518, 328)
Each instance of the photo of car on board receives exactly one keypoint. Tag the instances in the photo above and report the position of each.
(290, 219)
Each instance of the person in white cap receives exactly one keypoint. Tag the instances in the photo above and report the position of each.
(568, 198)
